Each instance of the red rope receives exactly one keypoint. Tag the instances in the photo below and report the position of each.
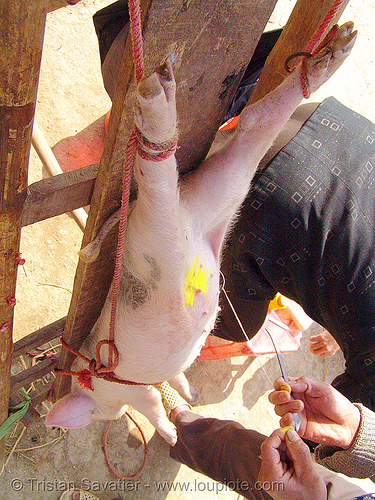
(145, 452)
(11, 301)
(4, 326)
(96, 369)
(321, 29)
(137, 43)
(20, 261)
(129, 160)
(162, 150)
(324, 24)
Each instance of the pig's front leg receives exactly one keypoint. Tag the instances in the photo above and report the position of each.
(218, 187)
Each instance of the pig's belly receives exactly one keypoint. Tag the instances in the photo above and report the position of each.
(163, 337)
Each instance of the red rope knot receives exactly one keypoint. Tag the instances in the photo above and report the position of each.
(113, 357)
(11, 301)
(321, 29)
(20, 261)
(306, 56)
(155, 151)
(4, 326)
(84, 378)
(95, 369)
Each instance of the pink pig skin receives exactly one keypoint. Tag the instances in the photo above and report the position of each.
(175, 230)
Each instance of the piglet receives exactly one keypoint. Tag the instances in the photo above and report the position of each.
(169, 293)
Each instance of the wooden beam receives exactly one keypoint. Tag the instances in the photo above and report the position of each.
(37, 396)
(25, 377)
(210, 45)
(59, 194)
(22, 26)
(39, 337)
(52, 166)
(302, 24)
(41, 393)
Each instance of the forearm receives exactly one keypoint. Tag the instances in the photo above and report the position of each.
(222, 450)
(359, 459)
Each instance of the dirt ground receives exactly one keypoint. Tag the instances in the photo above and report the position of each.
(46, 462)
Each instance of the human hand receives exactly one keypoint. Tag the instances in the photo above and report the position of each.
(287, 470)
(327, 416)
(323, 344)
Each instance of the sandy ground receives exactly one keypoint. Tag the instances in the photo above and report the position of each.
(71, 97)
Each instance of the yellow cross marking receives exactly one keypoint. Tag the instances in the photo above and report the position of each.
(196, 279)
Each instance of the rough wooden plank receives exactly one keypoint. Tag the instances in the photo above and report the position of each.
(25, 377)
(59, 194)
(302, 24)
(210, 45)
(39, 337)
(53, 168)
(21, 39)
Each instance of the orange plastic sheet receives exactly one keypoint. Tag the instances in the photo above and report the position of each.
(288, 338)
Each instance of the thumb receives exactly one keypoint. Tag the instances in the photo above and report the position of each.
(299, 453)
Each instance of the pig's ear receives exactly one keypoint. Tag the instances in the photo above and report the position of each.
(72, 411)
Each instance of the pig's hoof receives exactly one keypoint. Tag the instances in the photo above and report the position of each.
(194, 396)
(155, 110)
(191, 396)
(321, 66)
(169, 433)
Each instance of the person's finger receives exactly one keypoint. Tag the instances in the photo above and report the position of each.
(315, 345)
(280, 384)
(300, 385)
(272, 467)
(322, 352)
(287, 420)
(307, 386)
(319, 352)
(316, 341)
(295, 406)
(279, 397)
(299, 453)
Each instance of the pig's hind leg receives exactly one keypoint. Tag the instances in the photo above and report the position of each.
(263, 119)
(322, 66)
(153, 229)
(155, 109)
(215, 191)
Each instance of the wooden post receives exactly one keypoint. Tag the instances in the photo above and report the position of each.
(21, 39)
(300, 28)
(210, 44)
(52, 166)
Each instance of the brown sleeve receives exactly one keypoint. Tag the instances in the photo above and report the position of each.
(222, 450)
